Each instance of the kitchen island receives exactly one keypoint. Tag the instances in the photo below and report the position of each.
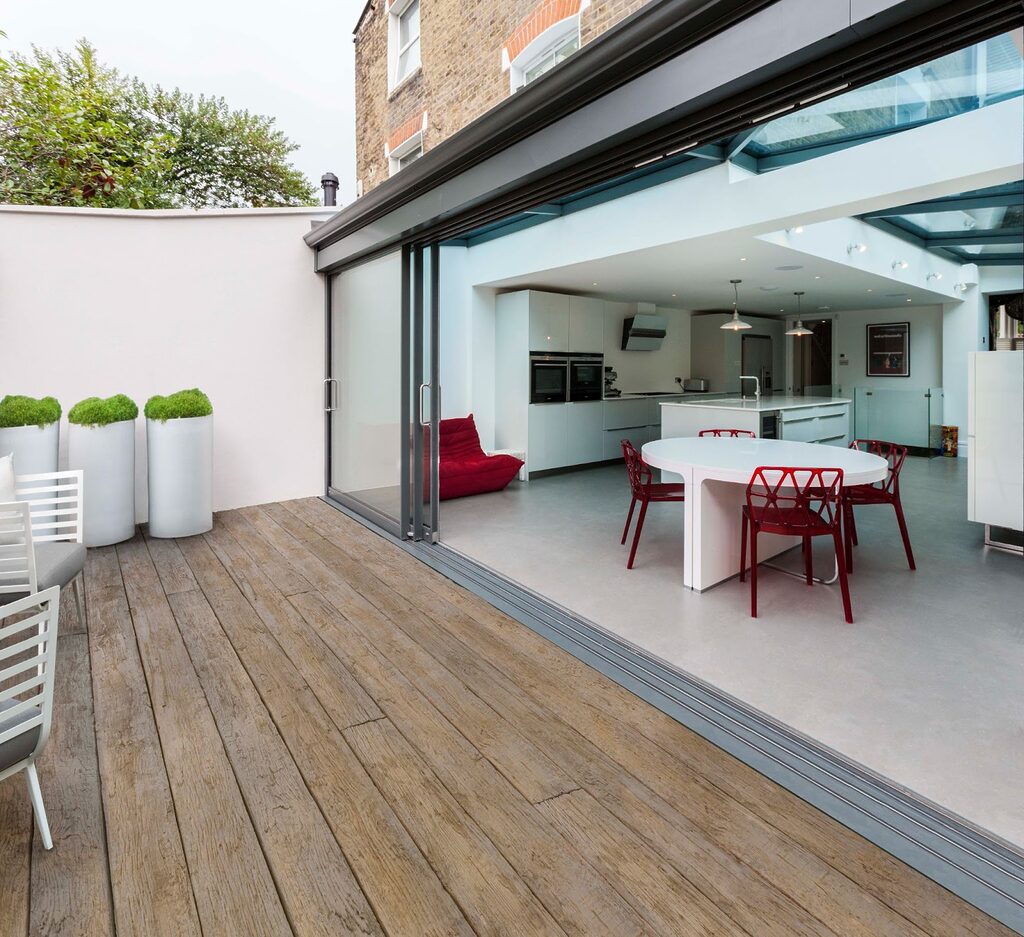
(801, 419)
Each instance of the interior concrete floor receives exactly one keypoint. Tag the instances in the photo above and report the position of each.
(924, 688)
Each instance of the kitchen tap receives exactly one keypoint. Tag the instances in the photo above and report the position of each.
(757, 386)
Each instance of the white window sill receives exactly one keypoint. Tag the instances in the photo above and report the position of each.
(394, 91)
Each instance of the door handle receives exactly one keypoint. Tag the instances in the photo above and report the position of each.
(423, 422)
(330, 394)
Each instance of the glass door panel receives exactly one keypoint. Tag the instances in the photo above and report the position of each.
(365, 390)
(426, 405)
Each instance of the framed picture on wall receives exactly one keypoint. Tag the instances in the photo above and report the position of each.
(889, 349)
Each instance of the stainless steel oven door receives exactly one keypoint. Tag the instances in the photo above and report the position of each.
(586, 378)
(549, 379)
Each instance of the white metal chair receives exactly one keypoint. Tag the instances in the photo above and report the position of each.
(56, 500)
(17, 555)
(27, 651)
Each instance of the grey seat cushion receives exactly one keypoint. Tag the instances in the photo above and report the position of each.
(21, 746)
(58, 563)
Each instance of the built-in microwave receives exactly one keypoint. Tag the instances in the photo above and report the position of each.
(549, 378)
(586, 377)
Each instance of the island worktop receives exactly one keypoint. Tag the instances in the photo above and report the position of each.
(803, 419)
(762, 405)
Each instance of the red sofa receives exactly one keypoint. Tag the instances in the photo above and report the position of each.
(464, 467)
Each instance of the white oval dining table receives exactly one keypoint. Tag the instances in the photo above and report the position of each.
(716, 471)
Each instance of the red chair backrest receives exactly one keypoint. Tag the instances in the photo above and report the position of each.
(639, 472)
(796, 497)
(458, 439)
(727, 432)
(893, 453)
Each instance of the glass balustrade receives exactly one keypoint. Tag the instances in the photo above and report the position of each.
(908, 416)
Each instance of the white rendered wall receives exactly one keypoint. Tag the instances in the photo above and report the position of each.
(850, 339)
(100, 302)
(648, 370)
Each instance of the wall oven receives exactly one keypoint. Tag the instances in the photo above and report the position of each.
(549, 378)
(586, 377)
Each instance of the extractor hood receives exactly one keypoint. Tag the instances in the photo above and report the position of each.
(643, 331)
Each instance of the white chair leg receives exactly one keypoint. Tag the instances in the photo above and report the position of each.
(38, 809)
(76, 585)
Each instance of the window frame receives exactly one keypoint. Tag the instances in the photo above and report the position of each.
(405, 149)
(547, 43)
(396, 13)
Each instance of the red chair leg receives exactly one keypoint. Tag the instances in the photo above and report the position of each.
(853, 526)
(636, 535)
(753, 569)
(629, 518)
(808, 561)
(849, 535)
(902, 521)
(843, 583)
(743, 546)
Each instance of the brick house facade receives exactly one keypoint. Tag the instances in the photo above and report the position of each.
(468, 53)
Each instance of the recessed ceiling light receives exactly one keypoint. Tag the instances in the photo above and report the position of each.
(909, 300)
(895, 295)
(870, 290)
(594, 283)
(824, 307)
(791, 267)
(817, 277)
(673, 295)
(743, 258)
(768, 289)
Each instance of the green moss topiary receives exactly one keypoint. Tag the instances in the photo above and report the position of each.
(99, 411)
(182, 405)
(16, 410)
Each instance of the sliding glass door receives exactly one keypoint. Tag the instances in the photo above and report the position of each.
(381, 394)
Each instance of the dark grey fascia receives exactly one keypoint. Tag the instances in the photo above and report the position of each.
(479, 164)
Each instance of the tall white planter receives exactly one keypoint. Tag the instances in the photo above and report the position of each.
(106, 455)
(180, 454)
(35, 448)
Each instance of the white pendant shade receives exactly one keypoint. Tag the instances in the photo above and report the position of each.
(735, 324)
(799, 330)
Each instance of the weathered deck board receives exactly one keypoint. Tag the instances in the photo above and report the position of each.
(70, 885)
(150, 883)
(292, 727)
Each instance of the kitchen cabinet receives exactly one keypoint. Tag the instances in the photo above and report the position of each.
(586, 325)
(585, 432)
(548, 436)
(824, 424)
(995, 427)
(549, 321)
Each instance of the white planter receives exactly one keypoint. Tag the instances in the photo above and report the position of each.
(106, 456)
(35, 448)
(180, 473)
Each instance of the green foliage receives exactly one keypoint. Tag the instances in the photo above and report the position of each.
(16, 410)
(75, 132)
(99, 411)
(182, 405)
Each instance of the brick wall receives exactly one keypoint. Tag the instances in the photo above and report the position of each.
(461, 76)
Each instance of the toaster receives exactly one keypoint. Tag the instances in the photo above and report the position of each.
(695, 384)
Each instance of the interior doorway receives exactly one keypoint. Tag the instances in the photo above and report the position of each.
(756, 359)
(812, 360)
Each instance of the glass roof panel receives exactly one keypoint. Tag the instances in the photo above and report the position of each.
(961, 81)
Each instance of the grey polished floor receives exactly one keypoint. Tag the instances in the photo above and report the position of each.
(925, 688)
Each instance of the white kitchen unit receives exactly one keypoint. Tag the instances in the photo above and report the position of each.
(547, 314)
(585, 431)
(586, 325)
(995, 432)
(800, 419)
(548, 443)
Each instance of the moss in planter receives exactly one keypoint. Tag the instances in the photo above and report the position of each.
(99, 411)
(182, 405)
(16, 410)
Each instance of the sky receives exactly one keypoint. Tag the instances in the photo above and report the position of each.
(291, 61)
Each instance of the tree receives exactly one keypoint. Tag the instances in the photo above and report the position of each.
(75, 132)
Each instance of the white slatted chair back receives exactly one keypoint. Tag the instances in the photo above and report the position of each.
(56, 500)
(17, 555)
(28, 645)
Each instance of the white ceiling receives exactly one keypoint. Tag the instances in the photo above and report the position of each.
(695, 275)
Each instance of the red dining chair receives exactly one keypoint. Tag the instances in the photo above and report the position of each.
(794, 502)
(733, 433)
(645, 490)
(886, 491)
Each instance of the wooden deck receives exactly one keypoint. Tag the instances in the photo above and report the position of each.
(288, 726)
